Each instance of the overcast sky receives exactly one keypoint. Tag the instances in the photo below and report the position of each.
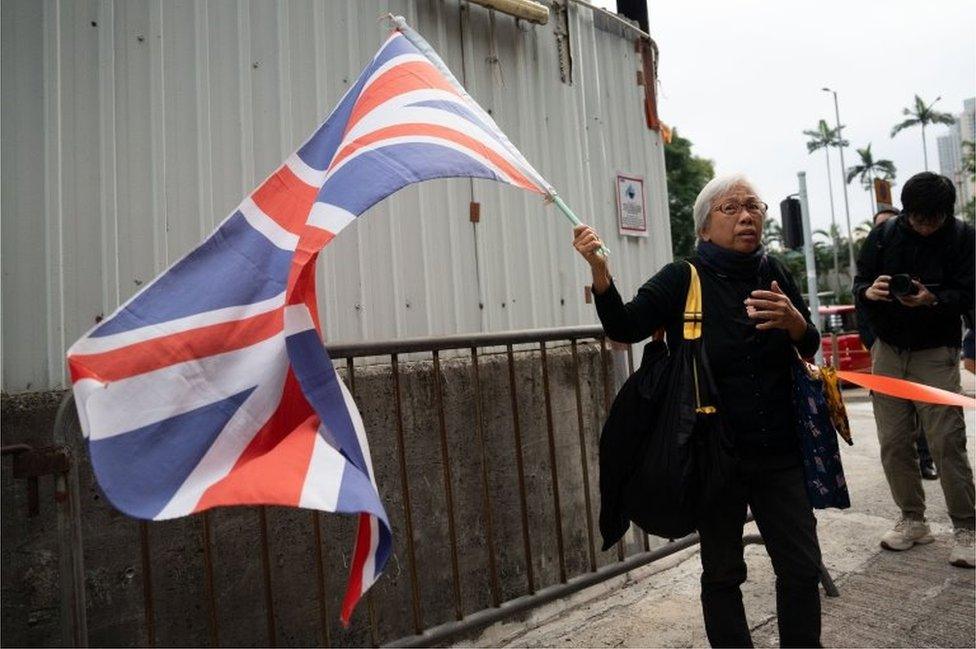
(743, 79)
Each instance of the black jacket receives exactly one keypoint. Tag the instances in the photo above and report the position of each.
(864, 327)
(751, 368)
(943, 261)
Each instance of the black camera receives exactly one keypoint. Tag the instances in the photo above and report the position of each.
(901, 285)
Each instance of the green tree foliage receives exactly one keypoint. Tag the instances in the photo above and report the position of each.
(868, 169)
(823, 136)
(969, 159)
(969, 167)
(793, 260)
(922, 114)
(823, 253)
(687, 174)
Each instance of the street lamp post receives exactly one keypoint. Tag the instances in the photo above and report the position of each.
(843, 178)
(813, 300)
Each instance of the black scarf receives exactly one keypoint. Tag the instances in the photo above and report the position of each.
(731, 263)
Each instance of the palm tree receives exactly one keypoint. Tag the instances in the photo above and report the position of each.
(969, 158)
(863, 229)
(825, 137)
(969, 175)
(922, 115)
(833, 239)
(772, 234)
(822, 254)
(868, 170)
(861, 232)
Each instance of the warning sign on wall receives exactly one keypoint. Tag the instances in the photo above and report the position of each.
(631, 214)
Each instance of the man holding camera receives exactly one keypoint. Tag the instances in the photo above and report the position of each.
(915, 278)
(864, 328)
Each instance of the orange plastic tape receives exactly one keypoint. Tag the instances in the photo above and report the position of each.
(907, 389)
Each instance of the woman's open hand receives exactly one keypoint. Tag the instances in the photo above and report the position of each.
(774, 310)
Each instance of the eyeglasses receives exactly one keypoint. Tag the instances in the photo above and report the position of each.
(733, 207)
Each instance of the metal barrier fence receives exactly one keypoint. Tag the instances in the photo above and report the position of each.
(534, 597)
(537, 346)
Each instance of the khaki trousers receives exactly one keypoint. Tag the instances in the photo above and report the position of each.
(944, 427)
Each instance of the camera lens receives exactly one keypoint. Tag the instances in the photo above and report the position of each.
(901, 285)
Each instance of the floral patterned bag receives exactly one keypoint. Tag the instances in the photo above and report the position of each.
(820, 419)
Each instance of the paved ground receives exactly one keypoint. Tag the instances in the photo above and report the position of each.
(909, 599)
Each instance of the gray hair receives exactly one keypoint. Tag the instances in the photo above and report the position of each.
(714, 189)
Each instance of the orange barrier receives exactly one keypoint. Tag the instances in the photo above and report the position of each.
(907, 389)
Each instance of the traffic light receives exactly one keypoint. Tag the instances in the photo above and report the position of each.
(792, 217)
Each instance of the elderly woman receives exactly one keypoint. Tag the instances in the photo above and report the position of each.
(754, 322)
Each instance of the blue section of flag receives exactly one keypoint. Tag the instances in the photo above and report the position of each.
(237, 265)
(460, 111)
(314, 371)
(370, 177)
(383, 547)
(142, 469)
(394, 48)
(357, 494)
(318, 152)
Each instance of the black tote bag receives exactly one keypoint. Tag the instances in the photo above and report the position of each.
(664, 452)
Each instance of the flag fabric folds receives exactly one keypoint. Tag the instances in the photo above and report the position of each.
(211, 386)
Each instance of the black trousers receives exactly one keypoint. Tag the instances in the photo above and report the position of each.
(773, 487)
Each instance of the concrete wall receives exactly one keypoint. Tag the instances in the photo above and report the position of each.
(113, 565)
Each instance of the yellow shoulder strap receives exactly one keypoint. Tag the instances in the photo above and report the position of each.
(693, 307)
(693, 330)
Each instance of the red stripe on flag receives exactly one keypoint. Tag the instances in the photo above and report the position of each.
(302, 289)
(273, 478)
(354, 587)
(286, 199)
(79, 371)
(309, 245)
(176, 348)
(413, 75)
(442, 132)
(308, 293)
(292, 413)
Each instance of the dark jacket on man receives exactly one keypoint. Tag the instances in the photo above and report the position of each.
(943, 261)
(864, 327)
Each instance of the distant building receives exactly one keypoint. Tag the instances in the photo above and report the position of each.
(951, 152)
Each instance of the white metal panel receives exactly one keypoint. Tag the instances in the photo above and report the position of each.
(87, 232)
(132, 127)
(22, 165)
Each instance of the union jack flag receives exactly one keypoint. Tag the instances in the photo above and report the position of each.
(211, 386)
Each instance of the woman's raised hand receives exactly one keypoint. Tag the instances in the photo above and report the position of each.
(587, 242)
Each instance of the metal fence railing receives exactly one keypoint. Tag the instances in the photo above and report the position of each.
(474, 346)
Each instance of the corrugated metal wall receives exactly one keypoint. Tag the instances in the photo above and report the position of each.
(131, 127)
